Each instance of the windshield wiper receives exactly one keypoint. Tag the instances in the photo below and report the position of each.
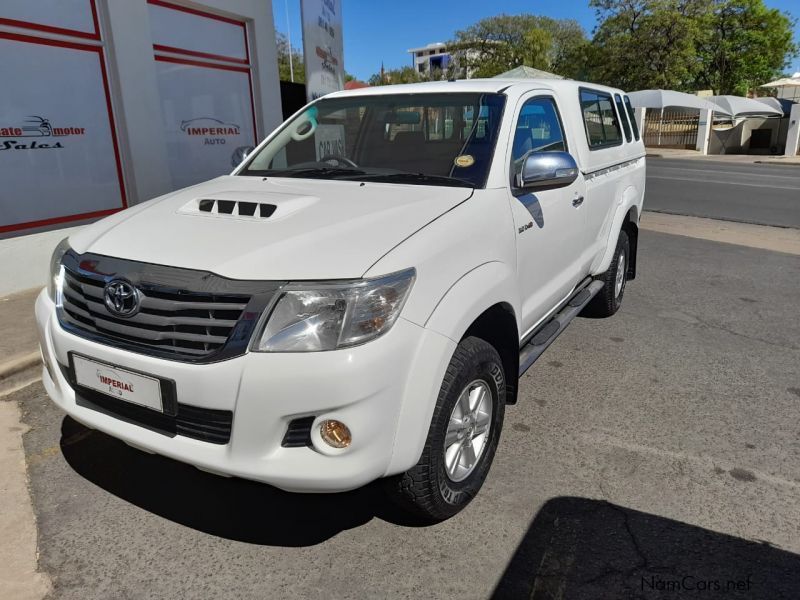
(421, 178)
(314, 172)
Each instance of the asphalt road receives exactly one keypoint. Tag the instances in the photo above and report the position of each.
(655, 454)
(750, 193)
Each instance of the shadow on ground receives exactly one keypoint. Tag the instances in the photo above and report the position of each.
(588, 549)
(233, 508)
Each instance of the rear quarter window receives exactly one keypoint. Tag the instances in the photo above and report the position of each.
(632, 117)
(623, 117)
(600, 119)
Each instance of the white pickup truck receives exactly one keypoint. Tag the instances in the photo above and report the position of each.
(359, 298)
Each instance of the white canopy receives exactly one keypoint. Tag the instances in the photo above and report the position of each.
(523, 72)
(785, 106)
(794, 80)
(669, 98)
(738, 107)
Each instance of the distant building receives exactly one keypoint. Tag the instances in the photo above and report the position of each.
(430, 58)
(437, 58)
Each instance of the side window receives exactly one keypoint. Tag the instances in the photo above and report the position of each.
(602, 127)
(622, 116)
(538, 130)
(632, 118)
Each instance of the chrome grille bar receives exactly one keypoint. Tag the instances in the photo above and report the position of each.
(206, 318)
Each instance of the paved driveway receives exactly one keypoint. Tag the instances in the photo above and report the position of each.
(750, 193)
(658, 448)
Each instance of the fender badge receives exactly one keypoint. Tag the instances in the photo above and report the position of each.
(464, 160)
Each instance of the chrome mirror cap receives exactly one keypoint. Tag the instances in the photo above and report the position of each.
(547, 170)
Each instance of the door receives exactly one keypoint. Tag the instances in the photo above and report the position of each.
(549, 224)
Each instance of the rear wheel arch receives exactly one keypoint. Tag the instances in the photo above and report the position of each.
(630, 224)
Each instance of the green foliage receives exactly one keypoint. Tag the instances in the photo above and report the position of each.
(729, 46)
(284, 52)
(725, 45)
(497, 44)
(748, 44)
(394, 76)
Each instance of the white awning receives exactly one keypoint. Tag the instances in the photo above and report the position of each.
(671, 99)
(739, 107)
(794, 80)
(524, 72)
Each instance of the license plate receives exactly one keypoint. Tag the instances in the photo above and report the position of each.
(118, 383)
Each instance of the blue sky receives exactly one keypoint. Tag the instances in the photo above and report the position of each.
(376, 30)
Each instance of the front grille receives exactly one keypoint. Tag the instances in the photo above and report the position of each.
(184, 315)
(205, 424)
(196, 324)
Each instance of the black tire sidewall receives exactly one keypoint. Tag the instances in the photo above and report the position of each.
(483, 363)
(623, 247)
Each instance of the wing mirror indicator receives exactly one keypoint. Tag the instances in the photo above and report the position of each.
(547, 170)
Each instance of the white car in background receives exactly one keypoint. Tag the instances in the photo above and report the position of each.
(319, 322)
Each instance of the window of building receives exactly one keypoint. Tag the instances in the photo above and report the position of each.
(600, 119)
(538, 129)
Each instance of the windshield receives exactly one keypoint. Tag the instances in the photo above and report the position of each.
(425, 139)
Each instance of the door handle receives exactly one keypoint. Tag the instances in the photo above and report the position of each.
(577, 201)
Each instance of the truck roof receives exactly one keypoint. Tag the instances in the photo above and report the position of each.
(486, 86)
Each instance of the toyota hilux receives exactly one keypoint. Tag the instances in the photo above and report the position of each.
(358, 299)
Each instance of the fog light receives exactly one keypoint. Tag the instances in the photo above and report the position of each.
(335, 433)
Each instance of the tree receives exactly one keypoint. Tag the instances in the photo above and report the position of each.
(497, 44)
(726, 45)
(284, 54)
(646, 43)
(747, 45)
(394, 76)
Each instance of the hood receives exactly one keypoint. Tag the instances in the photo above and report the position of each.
(307, 229)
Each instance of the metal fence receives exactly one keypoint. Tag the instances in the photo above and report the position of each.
(670, 129)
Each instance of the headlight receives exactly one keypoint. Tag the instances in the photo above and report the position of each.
(54, 281)
(327, 316)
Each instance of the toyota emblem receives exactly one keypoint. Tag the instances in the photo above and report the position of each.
(121, 298)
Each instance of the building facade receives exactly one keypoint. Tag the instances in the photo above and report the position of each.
(115, 102)
(431, 58)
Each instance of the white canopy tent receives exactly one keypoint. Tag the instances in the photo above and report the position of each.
(788, 87)
(661, 99)
(523, 72)
(782, 104)
(739, 107)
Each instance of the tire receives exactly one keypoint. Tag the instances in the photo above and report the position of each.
(428, 490)
(609, 299)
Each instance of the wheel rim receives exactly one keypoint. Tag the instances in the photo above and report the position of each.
(468, 430)
(620, 280)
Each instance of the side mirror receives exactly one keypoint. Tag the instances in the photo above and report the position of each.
(240, 154)
(547, 170)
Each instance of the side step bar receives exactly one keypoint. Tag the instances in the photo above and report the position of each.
(549, 331)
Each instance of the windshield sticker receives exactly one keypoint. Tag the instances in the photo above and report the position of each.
(465, 160)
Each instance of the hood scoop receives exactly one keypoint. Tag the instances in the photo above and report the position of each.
(230, 208)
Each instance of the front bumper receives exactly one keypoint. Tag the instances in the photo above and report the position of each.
(384, 391)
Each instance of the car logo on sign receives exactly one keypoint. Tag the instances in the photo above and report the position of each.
(121, 298)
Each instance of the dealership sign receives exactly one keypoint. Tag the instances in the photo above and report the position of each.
(322, 46)
(58, 157)
(35, 127)
(204, 144)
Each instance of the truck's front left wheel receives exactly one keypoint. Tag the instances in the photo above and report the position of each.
(462, 438)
